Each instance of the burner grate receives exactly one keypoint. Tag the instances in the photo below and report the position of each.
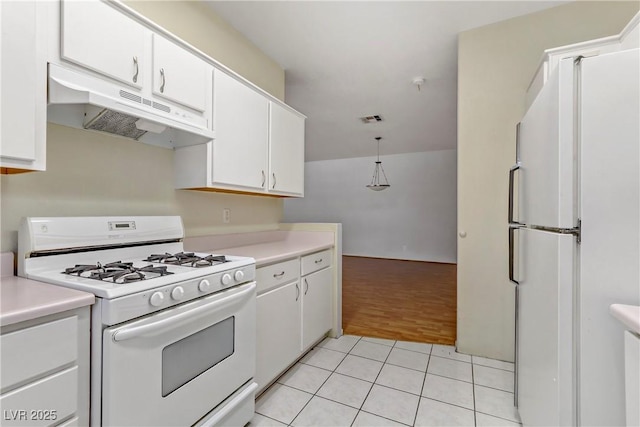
(187, 259)
(117, 272)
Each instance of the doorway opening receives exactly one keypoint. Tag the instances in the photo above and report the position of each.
(399, 300)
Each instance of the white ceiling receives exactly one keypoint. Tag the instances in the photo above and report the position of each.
(348, 59)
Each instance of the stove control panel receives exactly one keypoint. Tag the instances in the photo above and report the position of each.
(139, 304)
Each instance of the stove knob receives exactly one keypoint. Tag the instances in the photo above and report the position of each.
(157, 299)
(204, 286)
(226, 279)
(238, 275)
(177, 293)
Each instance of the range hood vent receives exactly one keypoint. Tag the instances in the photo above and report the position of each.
(371, 119)
(84, 101)
(114, 122)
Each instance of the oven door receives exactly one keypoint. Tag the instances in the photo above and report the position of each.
(173, 367)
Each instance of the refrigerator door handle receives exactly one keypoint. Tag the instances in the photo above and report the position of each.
(512, 230)
(518, 143)
(512, 173)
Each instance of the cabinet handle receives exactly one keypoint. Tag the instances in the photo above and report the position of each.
(264, 178)
(306, 283)
(135, 75)
(297, 292)
(274, 180)
(279, 275)
(163, 80)
(318, 261)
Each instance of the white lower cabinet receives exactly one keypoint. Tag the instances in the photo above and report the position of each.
(278, 331)
(291, 317)
(45, 371)
(316, 306)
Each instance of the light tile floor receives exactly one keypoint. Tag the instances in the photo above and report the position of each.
(360, 381)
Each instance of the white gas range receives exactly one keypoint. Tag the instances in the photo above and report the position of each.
(172, 332)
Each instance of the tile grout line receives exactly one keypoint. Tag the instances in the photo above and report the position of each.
(387, 363)
(374, 380)
(415, 417)
(324, 382)
(497, 416)
(491, 367)
(386, 418)
(278, 421)
(473, 388)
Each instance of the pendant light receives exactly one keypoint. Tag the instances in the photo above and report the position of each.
(379, 181)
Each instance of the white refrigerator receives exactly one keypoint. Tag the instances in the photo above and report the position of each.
(574, 232)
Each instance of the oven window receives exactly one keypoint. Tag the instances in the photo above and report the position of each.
(184, 360)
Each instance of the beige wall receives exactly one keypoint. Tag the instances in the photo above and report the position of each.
(198, 24)
(98, 174)
(495, 66)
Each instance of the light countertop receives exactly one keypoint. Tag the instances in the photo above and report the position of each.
(264, 247)
(23, 299)
(629, 315)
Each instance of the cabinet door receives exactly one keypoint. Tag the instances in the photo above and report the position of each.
(23, 80)
(316, 306)
(286, 146)
(178, 75)
(278, 331)
(99, 37)
(241, 123)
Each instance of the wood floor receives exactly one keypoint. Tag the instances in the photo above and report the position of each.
(401, 300)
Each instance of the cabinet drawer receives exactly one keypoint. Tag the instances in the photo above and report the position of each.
(315, 262)
(30, 352)
(43, 402)
(271, 276)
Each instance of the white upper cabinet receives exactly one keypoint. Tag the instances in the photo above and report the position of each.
(178, 75)
(101, 38)
(259, 145)
(241, 123)
(286, 151)
(23, 83)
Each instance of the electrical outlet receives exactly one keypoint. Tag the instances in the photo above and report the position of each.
(226, 215)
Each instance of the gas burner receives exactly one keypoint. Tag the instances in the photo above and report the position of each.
(118, 276)
(118, 272)
(119, 264)
(187, 259)
(82, 268)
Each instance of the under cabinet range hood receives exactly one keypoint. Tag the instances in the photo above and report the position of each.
(85, 101)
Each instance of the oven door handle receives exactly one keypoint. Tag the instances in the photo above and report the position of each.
(241, 397)
(170, 322)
